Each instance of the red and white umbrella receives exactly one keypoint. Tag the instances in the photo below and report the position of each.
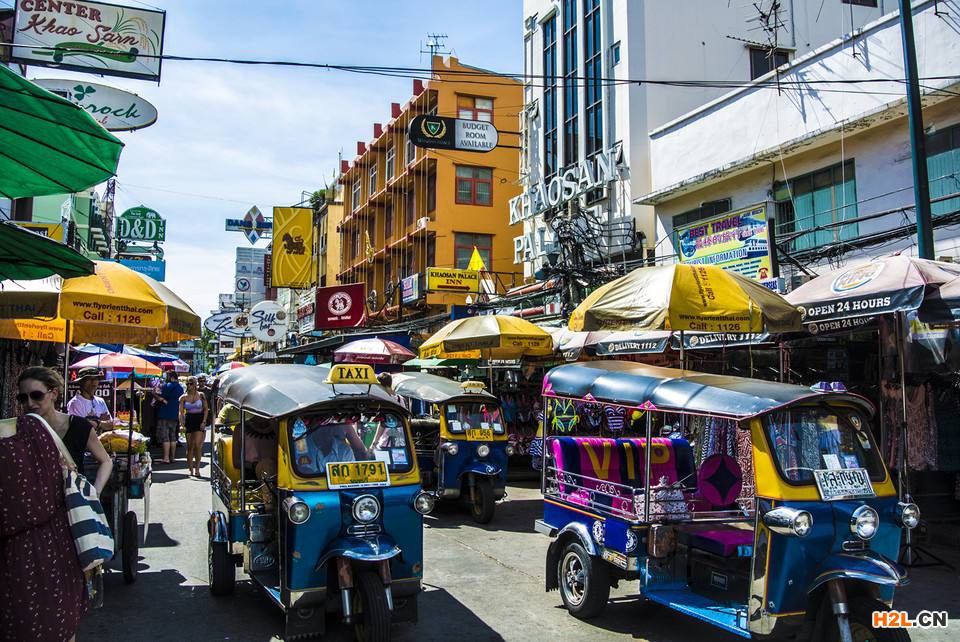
(374, 351)
(177, 365)
(118, 362)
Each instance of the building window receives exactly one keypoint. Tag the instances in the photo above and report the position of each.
(372, 231)
(475, 108)
(388, 221)
(571, 88)
(861, 3)
(356, 195)
(706, 210)
(431, 193)
(615, 54)
(474, 185)
(550, 97)
(410, 152)
(409, 213)
(763, 60)
(432, 251)
(463, 244)
(822, 198)
(943, 169)
(593, 73)
(408, 265)
(387, 273)
(391, 158)
(373, 179)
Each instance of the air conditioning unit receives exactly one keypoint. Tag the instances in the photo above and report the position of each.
(422, 222)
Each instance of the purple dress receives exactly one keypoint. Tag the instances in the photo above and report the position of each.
(41, 583)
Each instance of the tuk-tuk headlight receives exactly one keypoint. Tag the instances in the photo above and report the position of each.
(510, 450)
(297, 510)
(483, 450)
(366, 508)
(908, 515)
(864, 522)
(450, 447)
(424, 502)
(788, 521)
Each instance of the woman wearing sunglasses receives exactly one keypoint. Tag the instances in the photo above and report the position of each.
(40, 390)
(41, 582)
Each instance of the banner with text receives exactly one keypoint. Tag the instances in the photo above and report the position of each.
(735, 241)
(446, 280)
(340, 306)
(292, 262)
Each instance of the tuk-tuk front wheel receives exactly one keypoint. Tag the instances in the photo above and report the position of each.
(220, 566)
(130, 547)
(861, 623)
(370, 608)
(482, 503)
(584, 582)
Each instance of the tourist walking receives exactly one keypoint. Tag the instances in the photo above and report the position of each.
(168, 416)
(193, 418)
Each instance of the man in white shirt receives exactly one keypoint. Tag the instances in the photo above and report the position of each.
(87, 404)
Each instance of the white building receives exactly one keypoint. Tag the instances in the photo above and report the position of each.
(601, 74)
(249, 288)
(828, 159)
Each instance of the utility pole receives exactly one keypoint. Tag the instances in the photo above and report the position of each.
(918, 146)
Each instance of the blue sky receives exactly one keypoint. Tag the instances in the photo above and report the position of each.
(231, 136)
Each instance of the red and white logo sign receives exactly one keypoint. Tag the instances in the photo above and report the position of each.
(339, 306)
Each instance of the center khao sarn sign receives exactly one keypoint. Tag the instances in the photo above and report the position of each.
(117, 110)
(573, 182)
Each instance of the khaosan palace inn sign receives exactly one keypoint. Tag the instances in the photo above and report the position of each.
(573, 182)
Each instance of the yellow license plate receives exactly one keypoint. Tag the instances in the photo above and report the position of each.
(480, 434)
(357, 473)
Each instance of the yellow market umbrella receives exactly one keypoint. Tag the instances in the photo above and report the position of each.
(114, 305)
(491, 336)
(685, 297)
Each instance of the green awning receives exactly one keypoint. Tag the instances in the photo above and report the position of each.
(438, 363)
(48, 145)
(26, 255)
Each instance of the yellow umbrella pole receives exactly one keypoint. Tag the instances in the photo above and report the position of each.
(66, 363)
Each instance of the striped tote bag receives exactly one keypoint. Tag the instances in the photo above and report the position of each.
(88, 523)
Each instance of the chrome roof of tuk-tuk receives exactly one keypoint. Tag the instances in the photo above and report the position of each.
(275, 390)
(431, 388)
(672, 389)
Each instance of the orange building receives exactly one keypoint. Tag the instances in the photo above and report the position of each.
(407, 209)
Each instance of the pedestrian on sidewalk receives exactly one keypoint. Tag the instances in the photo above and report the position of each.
(168, 416)
(87, 404)
(42, 586)
(193, 418)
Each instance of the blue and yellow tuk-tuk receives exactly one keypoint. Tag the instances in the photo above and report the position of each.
(316, 494)
(460, 439)
(761, 508)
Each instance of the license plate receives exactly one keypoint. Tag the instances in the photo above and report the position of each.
(480, 434)
(355, 474)
(852, 483)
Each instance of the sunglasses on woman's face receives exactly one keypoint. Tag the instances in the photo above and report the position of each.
(35, 395)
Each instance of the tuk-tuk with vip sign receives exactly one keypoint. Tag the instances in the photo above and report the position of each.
(316, 495)
(761, 508)
(460, 439)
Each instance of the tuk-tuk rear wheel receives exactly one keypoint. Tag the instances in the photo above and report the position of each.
(861, 623)
(221, 569)
(482, 503)
(584, 582)
(130, 554)
(371, 608)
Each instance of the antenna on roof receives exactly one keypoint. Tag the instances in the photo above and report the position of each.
(435, 45)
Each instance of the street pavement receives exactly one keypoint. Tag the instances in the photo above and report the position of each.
(482, 583)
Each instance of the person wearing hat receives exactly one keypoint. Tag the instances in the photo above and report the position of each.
(87, 404)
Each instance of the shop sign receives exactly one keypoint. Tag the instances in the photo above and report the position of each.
(92, 37)
(268, 321)
(117, 110)
(837, 325)
(340, 306)
(441, 132)
(410, 288)
(230, 324)
(699, 340)
(736, 241)
(254, 225)
(141, 224)
(292, 265)
(243, 284)
(156, 270)
(50, 230)
(636, 345)
(572, 183)
(305, 311)
(444, 280)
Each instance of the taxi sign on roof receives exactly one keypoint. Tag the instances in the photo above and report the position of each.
(352, 373)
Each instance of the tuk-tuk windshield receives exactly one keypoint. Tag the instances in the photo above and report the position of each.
(462, 415)
(806, 439)
(331, 437)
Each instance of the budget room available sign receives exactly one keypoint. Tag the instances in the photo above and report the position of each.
(94, 37)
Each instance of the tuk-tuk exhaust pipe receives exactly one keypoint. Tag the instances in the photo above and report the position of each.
(838, 598)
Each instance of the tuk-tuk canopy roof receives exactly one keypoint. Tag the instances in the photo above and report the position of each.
(671, 389)
(275, 390)
(431, 388)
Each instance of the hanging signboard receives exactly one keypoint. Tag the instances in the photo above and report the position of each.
(49, 230)
(93, 37)
(268, 321)
(254, 225)
(141, 224)
(156, 270)
(440, 132)
(339, 306)
(444, 280)
(410, 288)
(229, 324)
(735, 241)
(292, 265)
(117, 110)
